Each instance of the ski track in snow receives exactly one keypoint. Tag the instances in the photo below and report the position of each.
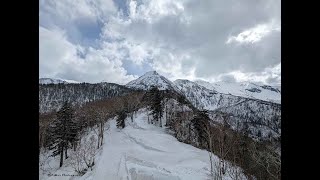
(145, 152)
(142, 151)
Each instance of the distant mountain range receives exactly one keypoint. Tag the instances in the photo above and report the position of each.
(201, 94)
(245, 89)
(55, 81)
(248, 105)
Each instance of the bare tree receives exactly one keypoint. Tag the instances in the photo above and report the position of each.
(269, 159)
(77, 161)
(44, 159)
(217, 175)
(88, 151)
(100, 123)
(83, 158)
(234, 172)
(209, 134)
(133, 103)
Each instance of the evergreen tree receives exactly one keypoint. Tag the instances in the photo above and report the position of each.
(199, 121)
(121, 119)
(63, 132)
(156, 105)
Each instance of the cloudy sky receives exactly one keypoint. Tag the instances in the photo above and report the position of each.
(119, 40)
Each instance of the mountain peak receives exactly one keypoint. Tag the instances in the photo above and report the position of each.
(149, 79)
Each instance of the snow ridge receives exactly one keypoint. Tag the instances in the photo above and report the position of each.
(245, 89)
(56, 81)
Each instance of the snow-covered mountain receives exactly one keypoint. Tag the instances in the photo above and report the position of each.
(152, 78)
(56, 81)
(262, 118)
(245, 89)
(203, 98)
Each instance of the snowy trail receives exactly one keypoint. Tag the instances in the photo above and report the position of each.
(143, 151)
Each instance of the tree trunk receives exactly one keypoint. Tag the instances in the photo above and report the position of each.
(98, 141)
(61, 156)
(40, 141)
(74, 146)
(211, 168)
(101, 130)
(223, 168)
(189, 129)
(132, 117)
(166, 114)
(66, 149)
(98, 138)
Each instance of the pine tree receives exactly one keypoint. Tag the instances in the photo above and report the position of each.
(121, 119)
(63, 132)
(199, 121)
(156, 105)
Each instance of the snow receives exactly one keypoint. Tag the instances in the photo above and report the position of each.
(145, 152)
(243, 89)
(203, 98)
(56, 81)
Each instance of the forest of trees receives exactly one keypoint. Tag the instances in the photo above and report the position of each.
(68, 128)
(52, 96)
(233, 147)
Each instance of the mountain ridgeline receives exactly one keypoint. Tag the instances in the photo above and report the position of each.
(262, 118)
(52, 96)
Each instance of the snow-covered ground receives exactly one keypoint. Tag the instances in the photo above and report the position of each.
(142, 151)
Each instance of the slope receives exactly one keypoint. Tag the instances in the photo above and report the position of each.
(245, 89)
(146, 152)
(203, 98)
(262, 118)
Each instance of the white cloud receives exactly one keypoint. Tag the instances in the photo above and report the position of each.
(150, 11)
(180, 39)
(71, 10)
(255, 34)
(58, 58)
(53, 51)
(173, 66)
(270, 75)
(202, 36)
(138, 54)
